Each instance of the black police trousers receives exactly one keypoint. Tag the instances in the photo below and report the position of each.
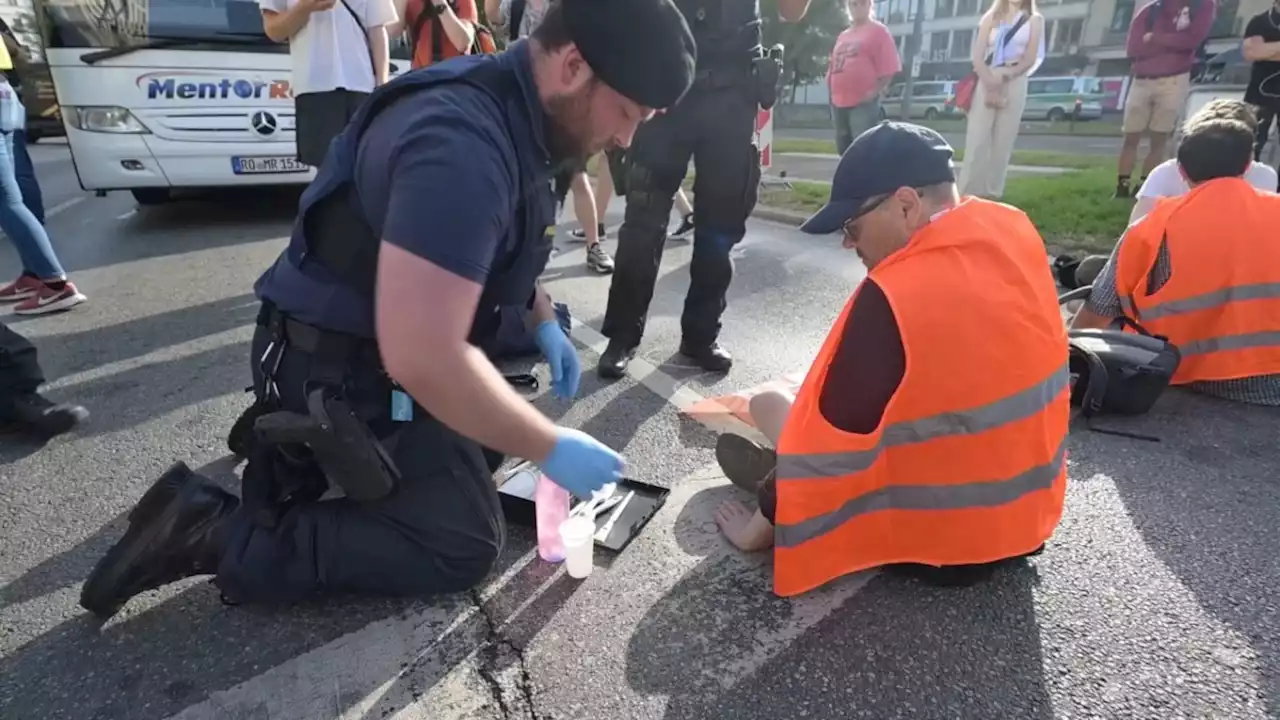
(715, 125)
(439, 531)
(20, 372)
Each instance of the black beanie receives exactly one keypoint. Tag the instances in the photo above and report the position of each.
(641, 48)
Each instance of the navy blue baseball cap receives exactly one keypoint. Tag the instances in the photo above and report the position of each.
(889, 156)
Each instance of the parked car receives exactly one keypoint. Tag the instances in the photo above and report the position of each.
(930, 99)
(1055, 98)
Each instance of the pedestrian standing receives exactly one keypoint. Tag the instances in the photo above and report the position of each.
(32, 197)
(715, 125)
(1008, 49)
(43, 286)
(863, 63)
(1162, 43)
(1262, 48)
(339, 53)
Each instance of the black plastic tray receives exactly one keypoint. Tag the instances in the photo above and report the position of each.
(636, 513)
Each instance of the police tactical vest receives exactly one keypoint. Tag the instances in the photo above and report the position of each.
(727, 32)
(332, 231)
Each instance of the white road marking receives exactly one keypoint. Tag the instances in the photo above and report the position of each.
(64, 206)
(127, 215)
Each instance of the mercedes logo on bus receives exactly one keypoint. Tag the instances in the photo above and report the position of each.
(264, 123)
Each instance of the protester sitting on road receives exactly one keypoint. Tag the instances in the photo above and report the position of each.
(380, 324)
(1203, 270)
(43, 286)
(1167, 180)
(21, 405)
(932, 443)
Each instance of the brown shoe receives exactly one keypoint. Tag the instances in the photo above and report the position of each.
(744, 462)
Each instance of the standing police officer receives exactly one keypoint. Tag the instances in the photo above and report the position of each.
(433, 209)
(715, 124)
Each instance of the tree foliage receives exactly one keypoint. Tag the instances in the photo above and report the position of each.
(808, 43)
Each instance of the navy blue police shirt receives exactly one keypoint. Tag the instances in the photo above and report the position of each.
(437, 173)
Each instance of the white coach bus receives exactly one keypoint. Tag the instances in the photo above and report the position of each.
(159, 95)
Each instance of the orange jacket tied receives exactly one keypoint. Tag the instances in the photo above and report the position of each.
(1221, 304)
(968, 464)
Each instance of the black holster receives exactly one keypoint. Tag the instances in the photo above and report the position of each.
(343, 445)
(294, 456)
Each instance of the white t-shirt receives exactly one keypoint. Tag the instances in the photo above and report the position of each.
(1166, 181)
(330, 52)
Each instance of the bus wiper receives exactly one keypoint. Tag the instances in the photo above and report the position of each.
(98, 56)
(161, 43)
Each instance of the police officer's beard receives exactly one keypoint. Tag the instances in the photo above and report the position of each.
(569, 137)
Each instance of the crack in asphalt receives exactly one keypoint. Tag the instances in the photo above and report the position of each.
(492, 662)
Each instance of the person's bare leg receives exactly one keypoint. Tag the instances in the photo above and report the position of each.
(604, 187)
(769, 411)
(584, 207)
(683, 204)
(747, 531)
(750, 531)
(1155, 151)
(1129, 154)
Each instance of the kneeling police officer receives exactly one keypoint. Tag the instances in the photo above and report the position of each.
(433, 209)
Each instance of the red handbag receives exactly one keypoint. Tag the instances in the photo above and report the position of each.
(965, 90)
(967, 86)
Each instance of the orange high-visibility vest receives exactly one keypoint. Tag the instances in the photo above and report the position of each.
(1221, 305)
(968, 464)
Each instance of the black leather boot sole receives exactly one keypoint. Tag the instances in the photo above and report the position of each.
(614, 361)
(169, 538)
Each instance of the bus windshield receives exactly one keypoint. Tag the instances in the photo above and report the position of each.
(126, 24)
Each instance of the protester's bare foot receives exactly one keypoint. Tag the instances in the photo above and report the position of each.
(748, 531)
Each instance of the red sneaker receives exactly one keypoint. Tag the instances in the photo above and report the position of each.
(47, 300)
(20, 289)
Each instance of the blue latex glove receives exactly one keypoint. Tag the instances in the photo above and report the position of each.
(561, 356)
(581, 464)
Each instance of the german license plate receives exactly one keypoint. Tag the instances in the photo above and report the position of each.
(261, 165)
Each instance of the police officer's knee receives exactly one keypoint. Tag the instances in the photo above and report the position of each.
(451, 569)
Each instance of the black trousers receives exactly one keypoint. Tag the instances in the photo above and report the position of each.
(715, 125)
(321, 117)
(20, 371)
(439, 531)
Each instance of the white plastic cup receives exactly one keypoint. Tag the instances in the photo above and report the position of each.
(576, 534)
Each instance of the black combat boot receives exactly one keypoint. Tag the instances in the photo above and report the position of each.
(36, 414)
(713, 357)
(614, 360)
(176, 530)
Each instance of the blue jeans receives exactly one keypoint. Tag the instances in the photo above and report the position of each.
(26, 172)
(20, 224)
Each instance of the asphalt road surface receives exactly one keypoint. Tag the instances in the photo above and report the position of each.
(1155, 599)
(1083, 144)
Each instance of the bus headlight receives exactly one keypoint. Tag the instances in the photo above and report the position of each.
(105, 120)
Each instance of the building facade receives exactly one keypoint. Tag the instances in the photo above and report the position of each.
(1083, 36)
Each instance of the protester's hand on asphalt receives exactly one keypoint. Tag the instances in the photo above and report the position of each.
(561, 356)
(581, 464)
